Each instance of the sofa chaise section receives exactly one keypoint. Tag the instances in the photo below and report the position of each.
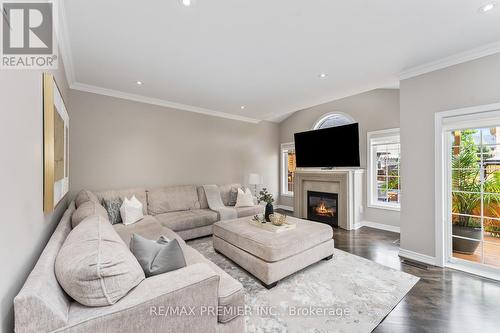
(43, 306)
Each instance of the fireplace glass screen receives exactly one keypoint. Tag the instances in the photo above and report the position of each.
(322, 207)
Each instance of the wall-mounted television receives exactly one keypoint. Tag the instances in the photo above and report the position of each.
(329, 147)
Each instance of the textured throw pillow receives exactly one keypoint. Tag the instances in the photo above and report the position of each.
(157, 257)
(87, 209)
(94, 266)
(233, 196)
(112, 206)
(84, 196)
(245, 199)
(131, 211)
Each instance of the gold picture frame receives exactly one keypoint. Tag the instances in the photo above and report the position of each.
(55, 145)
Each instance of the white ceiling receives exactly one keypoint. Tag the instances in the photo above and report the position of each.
(266, 54)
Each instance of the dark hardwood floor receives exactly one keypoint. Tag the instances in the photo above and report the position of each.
(444, 300)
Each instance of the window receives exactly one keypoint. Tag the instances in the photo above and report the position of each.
(333, 120)
(287, 168)
(384, 187)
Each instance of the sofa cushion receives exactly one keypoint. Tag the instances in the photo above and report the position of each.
(84, 196)
(85, 210)
(172, 198)
(250, 211)
(94, 266)
(225, 192)
(140, 194)
(188, 219)
(231, 295)
(149, 228)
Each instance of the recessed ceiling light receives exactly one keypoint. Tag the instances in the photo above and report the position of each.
(487, 7)
(323, 75)
(243, 107)
(186, 3)
(139, 83)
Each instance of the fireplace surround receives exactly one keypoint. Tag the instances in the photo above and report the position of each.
(347, 183)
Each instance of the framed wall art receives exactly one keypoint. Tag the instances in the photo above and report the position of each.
(55, 145)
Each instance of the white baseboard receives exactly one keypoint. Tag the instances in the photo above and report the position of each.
(357, 225)
(379, 226)
(289, 208)
(415, 256)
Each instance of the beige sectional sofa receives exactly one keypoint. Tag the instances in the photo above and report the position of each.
(178, 212)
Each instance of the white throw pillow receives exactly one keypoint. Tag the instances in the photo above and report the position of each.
(131, 210)
(244, 199)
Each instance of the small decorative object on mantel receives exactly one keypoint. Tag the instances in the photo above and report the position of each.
(267, 198)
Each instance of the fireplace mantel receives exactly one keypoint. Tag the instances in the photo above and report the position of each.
(347, 183)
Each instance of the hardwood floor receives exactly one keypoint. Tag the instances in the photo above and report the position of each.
(444, 300)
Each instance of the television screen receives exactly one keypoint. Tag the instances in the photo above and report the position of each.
(329, 147)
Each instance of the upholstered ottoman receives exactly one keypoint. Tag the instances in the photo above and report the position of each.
(271, 256)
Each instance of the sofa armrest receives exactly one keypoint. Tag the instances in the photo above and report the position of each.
(184, 300)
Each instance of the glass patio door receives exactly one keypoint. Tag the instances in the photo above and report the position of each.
(474, 196)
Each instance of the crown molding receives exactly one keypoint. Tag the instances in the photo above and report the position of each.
(455, 59)
(67, 57)
(158, 102)
(64, 44)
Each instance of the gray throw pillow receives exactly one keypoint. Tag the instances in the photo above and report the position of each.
(112, 206)
(157, 257)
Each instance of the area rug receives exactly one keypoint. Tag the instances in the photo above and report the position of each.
(345, 294)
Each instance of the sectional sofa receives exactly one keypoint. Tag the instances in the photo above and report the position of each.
(177, 212)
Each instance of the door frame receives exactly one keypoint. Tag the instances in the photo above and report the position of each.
(470, 117)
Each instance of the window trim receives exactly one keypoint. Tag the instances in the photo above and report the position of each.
(324, 117)
(370, 179)
(284, 169)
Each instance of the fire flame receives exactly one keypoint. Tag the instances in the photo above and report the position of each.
(323, 210)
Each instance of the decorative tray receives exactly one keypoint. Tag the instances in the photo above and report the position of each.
(271, 227)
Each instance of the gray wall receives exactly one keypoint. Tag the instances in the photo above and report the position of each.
(374, 110)
(117, 143)
(469, 84)
(25, 229)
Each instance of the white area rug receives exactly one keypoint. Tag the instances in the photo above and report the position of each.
(345, 294)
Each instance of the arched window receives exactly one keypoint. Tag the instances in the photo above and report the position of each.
(333, 120)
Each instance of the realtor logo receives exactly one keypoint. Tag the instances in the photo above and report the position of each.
(28, 35)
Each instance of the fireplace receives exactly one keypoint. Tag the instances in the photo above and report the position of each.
(323, 207)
